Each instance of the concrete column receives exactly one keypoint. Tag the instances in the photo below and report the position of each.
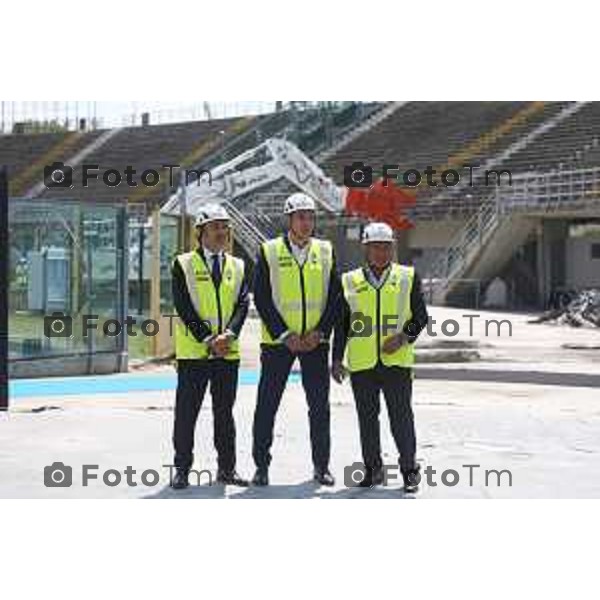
(542, 266)
(403, 251)
(551, 256)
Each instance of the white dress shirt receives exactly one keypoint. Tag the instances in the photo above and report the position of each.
(300, 254)
(375, 281)
(208, 257)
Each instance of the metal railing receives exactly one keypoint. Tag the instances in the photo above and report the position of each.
(551, 191)
(31, 117)
(530, 193)
(246, 232)
(466, 243)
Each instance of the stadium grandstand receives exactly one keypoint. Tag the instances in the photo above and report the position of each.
(535, 228)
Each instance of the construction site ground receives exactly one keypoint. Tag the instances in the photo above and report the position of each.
(527, 403)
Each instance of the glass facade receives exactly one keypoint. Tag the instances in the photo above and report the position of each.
(140, 261)
(169, 248)
(67, 259)
(70, 259)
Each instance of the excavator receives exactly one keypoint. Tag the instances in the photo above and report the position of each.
(235, 182)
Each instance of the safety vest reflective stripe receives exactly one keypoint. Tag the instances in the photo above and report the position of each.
(299, 293)
(326, 255)
(385, 312)
(404, 277)
(187, 265)
(348, 285)
(215, 309)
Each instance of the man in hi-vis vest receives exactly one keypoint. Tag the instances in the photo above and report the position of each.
(210, 294)
(383, 312)
(295, 292)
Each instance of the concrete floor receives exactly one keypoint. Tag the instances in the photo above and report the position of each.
(548, 436)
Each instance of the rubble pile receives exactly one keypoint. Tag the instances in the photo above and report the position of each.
(582, 309)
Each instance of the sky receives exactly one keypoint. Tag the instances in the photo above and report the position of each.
(123, 112)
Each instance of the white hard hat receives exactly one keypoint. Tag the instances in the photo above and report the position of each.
(211, 212)
(298, 201)
(377, 232)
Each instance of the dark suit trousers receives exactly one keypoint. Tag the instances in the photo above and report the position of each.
(193, 377)
(276, 363)
(396, 385)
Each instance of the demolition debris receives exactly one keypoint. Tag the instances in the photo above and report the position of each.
(577, 309)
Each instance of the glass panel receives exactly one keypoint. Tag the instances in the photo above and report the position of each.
(63, 264)
(169, 248)
(100, 274)
(140, 241)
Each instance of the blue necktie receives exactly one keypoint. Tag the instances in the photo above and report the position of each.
(216, 270)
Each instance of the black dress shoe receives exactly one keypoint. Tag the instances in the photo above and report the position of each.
(411, 479)
(373, 476)
(231, 478)
(180, 479)
(261, 477)
(324, 477)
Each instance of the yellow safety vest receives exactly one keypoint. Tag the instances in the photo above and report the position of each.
(299, 293)
(376, 315)
(214, 307)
